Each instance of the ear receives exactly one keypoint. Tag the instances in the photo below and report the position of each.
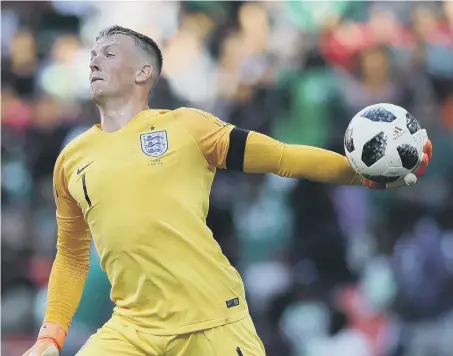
(144, 74)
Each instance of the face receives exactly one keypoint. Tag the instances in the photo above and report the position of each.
(112, 67)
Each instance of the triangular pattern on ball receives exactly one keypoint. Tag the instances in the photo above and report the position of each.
(379, 114)
(348, 141)
(412, 125)
(374, 149)
(408, 155)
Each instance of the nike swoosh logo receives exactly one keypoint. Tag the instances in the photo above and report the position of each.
(80, 170)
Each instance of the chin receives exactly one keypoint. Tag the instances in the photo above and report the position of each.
(97, 95)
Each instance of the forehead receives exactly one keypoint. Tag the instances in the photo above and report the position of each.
(114, 40)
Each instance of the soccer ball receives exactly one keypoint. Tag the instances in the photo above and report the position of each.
(384, 143)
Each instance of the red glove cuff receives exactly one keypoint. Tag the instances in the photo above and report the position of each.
(373, 185)
(53, 332)
(427, 154)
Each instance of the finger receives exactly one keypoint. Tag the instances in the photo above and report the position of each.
(402, 182)
(423, 165)
(28, 352)
(410, 179)
(373, 185)
(428, 149)
(51, 350)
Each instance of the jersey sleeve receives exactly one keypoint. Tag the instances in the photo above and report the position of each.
(263, 154)
(71, 264)
(217, 140)
(226, 146)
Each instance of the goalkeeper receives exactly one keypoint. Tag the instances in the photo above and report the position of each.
(138, 183)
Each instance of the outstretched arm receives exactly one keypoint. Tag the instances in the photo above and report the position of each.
(226, 146)
(266, 155)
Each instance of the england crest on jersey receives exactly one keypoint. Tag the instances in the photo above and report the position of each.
(154, 144)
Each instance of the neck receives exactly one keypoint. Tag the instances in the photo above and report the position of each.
(116, 113)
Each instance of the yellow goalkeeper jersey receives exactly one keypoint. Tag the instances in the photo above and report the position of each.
(143, 194)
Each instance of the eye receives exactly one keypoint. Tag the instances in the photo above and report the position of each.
(110, 55)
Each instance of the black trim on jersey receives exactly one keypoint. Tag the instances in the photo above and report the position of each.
(85, 191)
(238, 350)
(236, 151)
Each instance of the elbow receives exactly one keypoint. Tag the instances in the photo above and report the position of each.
(77, 261)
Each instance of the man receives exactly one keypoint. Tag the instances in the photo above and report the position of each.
(139, 183)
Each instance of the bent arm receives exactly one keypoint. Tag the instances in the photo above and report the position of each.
(70, 268)
(266, 155)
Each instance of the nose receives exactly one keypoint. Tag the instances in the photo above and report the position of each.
(94, 66)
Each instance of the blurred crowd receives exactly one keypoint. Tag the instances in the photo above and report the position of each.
(328, 270)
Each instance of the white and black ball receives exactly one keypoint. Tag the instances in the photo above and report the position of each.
(384, 143)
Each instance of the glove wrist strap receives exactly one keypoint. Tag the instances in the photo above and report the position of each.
(54, 332)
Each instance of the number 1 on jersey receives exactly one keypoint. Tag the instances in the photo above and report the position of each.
(85, 191)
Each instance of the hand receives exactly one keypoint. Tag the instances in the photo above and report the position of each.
(50, 341)
(410, 178)
(43, 347)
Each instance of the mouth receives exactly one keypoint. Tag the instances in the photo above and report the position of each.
(95, 79)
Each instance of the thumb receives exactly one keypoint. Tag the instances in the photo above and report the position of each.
(27, 353)
(410, 179)
(51, 351)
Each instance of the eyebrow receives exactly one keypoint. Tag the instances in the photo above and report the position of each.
(105, 48)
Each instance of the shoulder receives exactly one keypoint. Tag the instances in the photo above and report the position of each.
(74, 149)
(192, 116)
(191, 112)
(78, 142)
(152, 113)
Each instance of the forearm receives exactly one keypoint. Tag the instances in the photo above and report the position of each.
(66, 284)
(266, 155)
(317, 165)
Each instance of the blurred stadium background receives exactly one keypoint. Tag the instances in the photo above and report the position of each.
(328, 270)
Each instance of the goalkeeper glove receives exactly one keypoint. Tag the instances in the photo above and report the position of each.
(410, 178)
(50, 341)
